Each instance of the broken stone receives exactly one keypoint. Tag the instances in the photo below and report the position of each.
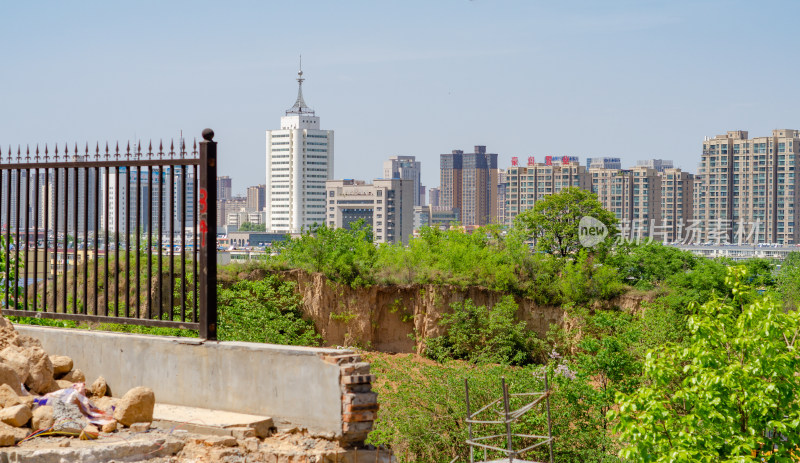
(219, 441)
(33, 367)
(17, 415)
(242, 432)
(9, 376)
(136, 406)
(63, 383)
(6, 437)
(42, 417)
(250, 444)
(109, 427)
(61, 365)
(140, 427)
(67, 417)
(98, 387)
(75, 376)
(8, 397)
(105, 403)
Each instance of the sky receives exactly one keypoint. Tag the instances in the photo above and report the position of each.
(634, 79)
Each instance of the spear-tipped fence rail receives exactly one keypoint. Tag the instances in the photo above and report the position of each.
(113, 237)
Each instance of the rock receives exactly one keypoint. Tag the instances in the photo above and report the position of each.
(67, 417)
(15, 357)
(217, 441)
(136, 406)
(250, 444)
(63, 383)
(8, 397)
(105, 403)
(75, 376)
(33, 367)
(9, 376)
(90, 429)
(6, 437)
(17, 415)
(42, 417)
(140, 427)
(98, 387)
(242, 432)
(8, 335)
(109, 427)
(61, 365)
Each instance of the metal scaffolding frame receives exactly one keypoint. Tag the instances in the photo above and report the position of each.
(507, 418)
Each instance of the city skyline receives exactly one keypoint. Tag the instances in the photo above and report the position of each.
(520, 77)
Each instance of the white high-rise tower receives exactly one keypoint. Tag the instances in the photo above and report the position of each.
(299, 161)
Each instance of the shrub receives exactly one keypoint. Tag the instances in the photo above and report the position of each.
(482, 334)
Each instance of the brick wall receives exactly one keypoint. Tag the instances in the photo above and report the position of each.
(359, 403)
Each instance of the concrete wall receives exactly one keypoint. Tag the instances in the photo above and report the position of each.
(290, 384)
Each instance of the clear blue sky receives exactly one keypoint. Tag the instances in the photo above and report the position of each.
(636, 79)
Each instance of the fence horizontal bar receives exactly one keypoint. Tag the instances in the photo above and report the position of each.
(102, 319)
(126, 163)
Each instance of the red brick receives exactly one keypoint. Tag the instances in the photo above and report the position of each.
(358, 417)
(358, 379)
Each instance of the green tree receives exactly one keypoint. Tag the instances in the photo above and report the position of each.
(647, 265)
(730, 391)
(553, 221)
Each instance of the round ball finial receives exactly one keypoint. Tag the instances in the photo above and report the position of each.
(208, 134)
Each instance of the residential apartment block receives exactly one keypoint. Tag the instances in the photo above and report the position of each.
(749, 188)
(527, 185)
(633, 195)
(469, 183)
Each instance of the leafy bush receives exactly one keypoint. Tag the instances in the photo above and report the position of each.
(345, 256)
(266, 310)
(482, 334)
(648, 265)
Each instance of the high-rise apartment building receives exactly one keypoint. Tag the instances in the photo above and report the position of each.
(501, 196)
(748, 188)
(159, 194)
(299, 162)
(634, 196)
(469, 184)
(256, 198)
(387, 205)
(527, 185)
(406, 168)
(224, 188)
(450, 172)
(433, 196)
(677, 195)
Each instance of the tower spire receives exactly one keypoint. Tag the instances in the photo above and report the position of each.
(300, 106)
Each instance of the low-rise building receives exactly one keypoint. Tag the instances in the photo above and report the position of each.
(387, 205)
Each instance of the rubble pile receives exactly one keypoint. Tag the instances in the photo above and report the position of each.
(44, 395)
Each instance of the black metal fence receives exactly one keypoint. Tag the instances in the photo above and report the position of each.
(111, 236)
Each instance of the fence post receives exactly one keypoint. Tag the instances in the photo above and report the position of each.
(207, 203)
